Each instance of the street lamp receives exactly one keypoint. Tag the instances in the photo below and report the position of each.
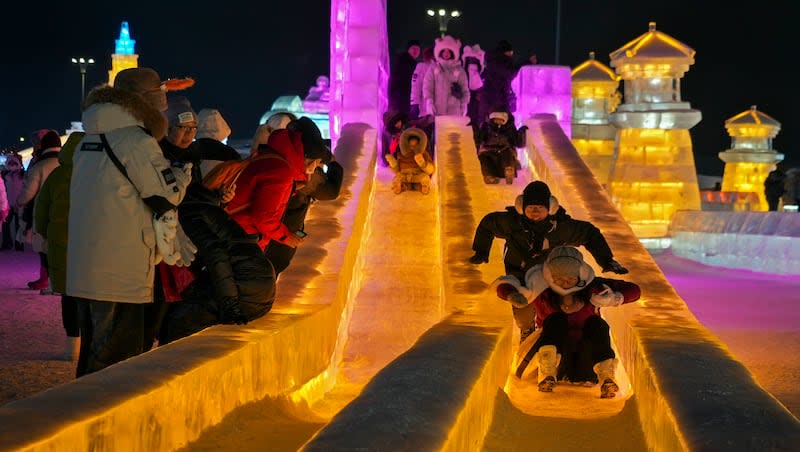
(83, 63)
(444, 16)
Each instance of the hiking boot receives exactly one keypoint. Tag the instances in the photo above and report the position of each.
(509, 174)
(614, 266)
(547, 384)
(491, 180)
(608, 389)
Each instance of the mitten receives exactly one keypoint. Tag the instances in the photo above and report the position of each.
(392, 161)
(478, 258)
(420, 159)
(607, 298)
(230, 312)
(517, 300)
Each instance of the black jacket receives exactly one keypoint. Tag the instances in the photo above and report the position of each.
(528, 243)
(400, 82)
(230, 267)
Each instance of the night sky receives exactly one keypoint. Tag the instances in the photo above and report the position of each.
(244, 54)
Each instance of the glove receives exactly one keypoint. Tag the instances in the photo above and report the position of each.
(607, 298)
(230, 312)
(478, 258)
(392, 161)
(517, 300)
(166, 229)
(419, 159)
(614, 266)
(184, 247)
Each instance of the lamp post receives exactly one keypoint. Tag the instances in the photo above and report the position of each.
(83, 64)
(444, 16)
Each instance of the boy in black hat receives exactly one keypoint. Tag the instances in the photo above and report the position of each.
(531, 227)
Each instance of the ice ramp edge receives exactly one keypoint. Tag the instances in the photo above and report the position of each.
(166, 398)
(438, 395)
(692, 393)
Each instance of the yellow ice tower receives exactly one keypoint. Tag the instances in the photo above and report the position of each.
(653, 172)
(124, 56)
(751, 157)
(594, 96)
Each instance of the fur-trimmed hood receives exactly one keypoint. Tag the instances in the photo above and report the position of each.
(107, 108)
(447, 42)
(413, 132)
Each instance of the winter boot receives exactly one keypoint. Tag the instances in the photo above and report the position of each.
(397, 187)
(424, 189)
(510, 172)
(491, 180)
(40, 283)
(605, 375)
(72, 348)
(548, 366)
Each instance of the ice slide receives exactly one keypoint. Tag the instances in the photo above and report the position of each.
(384, 339)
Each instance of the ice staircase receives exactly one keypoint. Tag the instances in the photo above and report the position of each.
(385, 339)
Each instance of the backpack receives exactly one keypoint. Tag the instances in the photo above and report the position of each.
(224, 175)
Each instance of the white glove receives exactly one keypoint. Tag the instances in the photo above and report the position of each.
(607, 298)
(166, 229)
(185, 248)
(183, 175)
(517, 300)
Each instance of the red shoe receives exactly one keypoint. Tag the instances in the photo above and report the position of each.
(39, 284)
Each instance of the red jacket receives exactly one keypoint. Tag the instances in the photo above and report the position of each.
(265, 185)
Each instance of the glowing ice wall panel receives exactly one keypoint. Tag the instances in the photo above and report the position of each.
(359, 63)
(653, 177)
(597, 154)
(544, 89)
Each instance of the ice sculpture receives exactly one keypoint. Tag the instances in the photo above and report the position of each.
(751, 157)
(318, 97)
(293, 104)
(124, 56)
(594, 96)
(544, 89)
(359, 63)
(653, 173)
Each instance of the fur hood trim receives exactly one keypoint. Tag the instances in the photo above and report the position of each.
(447, 42)
(413, 132)
(152, 119)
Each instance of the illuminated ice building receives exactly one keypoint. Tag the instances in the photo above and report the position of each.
(594, 97)
(751, 157)
(653, 174)
(124, 56)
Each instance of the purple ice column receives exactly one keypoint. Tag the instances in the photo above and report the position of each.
(544, 89)
(359, 63)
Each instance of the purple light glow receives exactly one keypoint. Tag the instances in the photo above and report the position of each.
(544, 89)
(359, 63)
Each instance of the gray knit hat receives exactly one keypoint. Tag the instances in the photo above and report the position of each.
(179, 111)
(565, 261)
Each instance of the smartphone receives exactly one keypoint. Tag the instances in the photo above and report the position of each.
(300, 234)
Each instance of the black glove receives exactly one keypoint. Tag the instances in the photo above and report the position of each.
(614, 266)
(231, 312)
(478, 258)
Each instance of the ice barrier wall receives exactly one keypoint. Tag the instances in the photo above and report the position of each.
(766, 242)
(165, 398)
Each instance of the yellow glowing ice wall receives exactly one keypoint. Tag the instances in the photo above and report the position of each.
(751, 157)
(653, 172)
(124, 56)
(594, 96)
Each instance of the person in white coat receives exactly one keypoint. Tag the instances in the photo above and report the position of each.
(111, 248)
(417, 79)
(445, 89)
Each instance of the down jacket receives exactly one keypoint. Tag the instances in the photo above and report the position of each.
(265, 185)
(111, 248)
